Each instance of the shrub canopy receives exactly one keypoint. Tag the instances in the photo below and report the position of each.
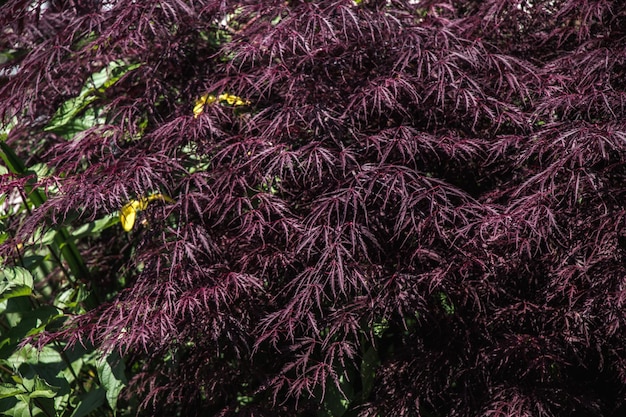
(378, 208)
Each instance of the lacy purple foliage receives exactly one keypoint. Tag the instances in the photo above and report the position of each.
(444, 182)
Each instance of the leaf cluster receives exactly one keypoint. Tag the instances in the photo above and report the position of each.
(406, 208)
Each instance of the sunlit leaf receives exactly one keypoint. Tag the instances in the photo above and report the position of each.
(112, 377)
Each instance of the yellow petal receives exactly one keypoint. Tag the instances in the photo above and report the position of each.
(233, 100)
(161, 197)
(198, 108)
(230, 99)
(128, 214)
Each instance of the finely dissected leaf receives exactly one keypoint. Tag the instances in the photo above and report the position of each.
(382, 208)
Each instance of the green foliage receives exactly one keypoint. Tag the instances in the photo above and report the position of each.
(83, 112)
(40, 294)
(49, 284)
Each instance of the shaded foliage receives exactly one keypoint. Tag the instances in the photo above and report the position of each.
(419, 208)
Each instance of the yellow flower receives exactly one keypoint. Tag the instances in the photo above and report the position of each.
(201, 102)
(128, 213)
(233, 100)
(209, 99)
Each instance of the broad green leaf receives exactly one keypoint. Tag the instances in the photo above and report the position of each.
(89, 118)
(29, 355)
(7, 405)
(20, 409)
(72, 297)
(73, 115)
(35, 406)
(43, 407)
(23, 312)
(39, 265)
(15, 291)
(42, 237)
(26, 323)
(95, 227)
(78, 356)
(14, 309)
(10, 390)
(369, 365)
(17, 275)
(89, 402)
(12, 161)
(34, 399)
(41, 170)
(15, 281)
(337, 399)
(42, 389)
(111, 374)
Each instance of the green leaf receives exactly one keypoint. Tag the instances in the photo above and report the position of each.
(13, 163)
(32, 261)
(72, 298)
(369, 365)
(43, 407)
(62, 239)
(379, 327)
(337, 398)
(30, 355)
(42, 237)
(74, 116)
(95, 227)
(15, 291)
(34, 398)
(26, 323)
(446, 303)
(17, 275)
(89, 402)
(7, 405)
(15, 281)
(42, 389)
(10, 390)
(34, 407)
(20, 409)
(112, 377)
